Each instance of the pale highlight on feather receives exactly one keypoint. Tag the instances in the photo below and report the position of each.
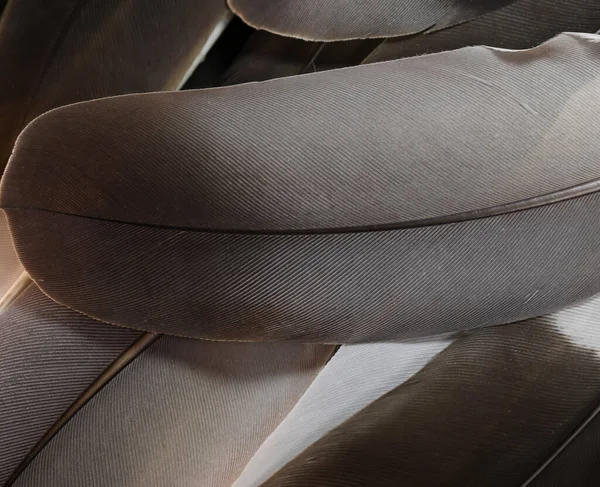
(356, 376)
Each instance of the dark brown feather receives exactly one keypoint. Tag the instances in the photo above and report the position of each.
(337, 20)
(58, 52)
(520, 25)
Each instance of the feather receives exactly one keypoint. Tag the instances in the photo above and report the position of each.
(205, 406)
(267, 56)
(487, 410)
(64, 51)
(220, 57)
(336, 20)
(164, 229)
(10, 267)
(49, 354)
(337, 55)
(520, 25)
(356, 376)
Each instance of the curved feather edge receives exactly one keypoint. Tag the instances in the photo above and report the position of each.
(339, 20)
(520, 25)
(61, 52)
(355, 376)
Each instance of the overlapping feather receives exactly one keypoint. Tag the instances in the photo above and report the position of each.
(54, 53)
(332, 232)
(489, 409)
(342, 19)
(49, 355)
(185, 412)
(377, 414)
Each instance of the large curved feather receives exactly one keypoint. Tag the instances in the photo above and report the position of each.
(49, 354)
(334, 20)
(177, 225)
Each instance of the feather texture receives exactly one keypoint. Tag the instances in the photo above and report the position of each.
(342, 20)
(58, 52)
(487, 410)
(10, 267)
(162, 222)
(49, 354)
(268, 56)
(520, 25)
(356, 376)
(184, 413)
(63, 51)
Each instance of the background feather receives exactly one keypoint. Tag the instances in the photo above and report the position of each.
(10, 267)
(162, 228)
(342, 20)
(487, 410)
(356, 376)
(66, 51)
(520, 25)
(267, 56)
(58, 52)
(49, 354)
(184, 412)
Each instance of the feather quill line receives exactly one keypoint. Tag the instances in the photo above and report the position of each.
(141, 344)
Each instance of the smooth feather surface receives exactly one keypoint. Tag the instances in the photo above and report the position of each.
(155, 230)
(63, 51)
(520, 25)
(49, 355)
(184, 413)
(487, 410)
(335, 20)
